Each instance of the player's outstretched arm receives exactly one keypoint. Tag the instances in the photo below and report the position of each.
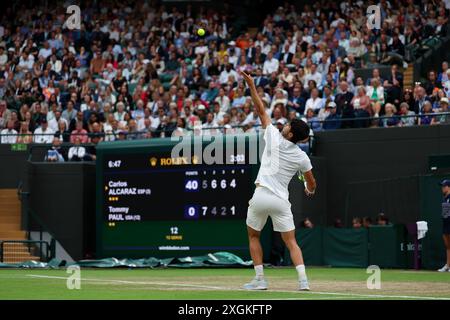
(260, 109)
(310, 183)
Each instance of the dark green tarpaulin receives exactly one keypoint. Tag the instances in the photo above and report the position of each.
(54, 263)
(380, 245)
(219, 259)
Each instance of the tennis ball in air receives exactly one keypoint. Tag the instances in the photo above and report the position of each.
(201, 32)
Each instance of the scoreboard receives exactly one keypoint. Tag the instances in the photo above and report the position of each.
(137, 191)
(152, 204)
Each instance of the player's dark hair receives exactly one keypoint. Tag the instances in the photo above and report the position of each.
(300, 130)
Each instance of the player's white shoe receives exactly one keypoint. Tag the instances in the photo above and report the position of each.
(445, 268)
(256, 284)
(303, 285)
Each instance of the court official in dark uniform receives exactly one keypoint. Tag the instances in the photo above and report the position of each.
(445, 185)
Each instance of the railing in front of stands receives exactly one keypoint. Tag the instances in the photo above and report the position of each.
(315, 123)
(112, 136)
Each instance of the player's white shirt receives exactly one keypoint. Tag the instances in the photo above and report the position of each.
(280, 161)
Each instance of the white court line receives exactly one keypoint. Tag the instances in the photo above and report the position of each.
(132, 282)
(237, 289)
(300, 298)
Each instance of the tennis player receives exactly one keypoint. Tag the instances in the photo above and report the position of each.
(281, 160)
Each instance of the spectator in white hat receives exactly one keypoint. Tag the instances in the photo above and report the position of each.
(325, 112)
(280, 123)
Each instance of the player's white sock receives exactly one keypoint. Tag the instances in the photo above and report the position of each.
(301, 271)
(259, 272)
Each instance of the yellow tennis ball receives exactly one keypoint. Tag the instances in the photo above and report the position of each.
(201, 32)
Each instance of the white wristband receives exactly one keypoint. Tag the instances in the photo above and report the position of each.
(307, 190)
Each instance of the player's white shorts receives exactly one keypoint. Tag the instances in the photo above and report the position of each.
(265, 203)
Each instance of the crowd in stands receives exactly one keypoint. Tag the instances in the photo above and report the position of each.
(357, 222)
(141, 71)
